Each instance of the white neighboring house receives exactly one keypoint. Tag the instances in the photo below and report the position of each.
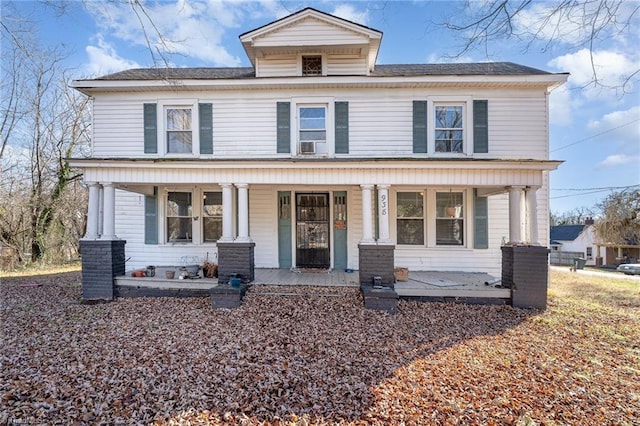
(317, 157)
(574, 239)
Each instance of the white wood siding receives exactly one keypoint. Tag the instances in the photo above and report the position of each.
(380, 122)
(337, 65)
(307, 32)
(277, 66)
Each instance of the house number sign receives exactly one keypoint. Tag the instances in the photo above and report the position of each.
(383, 204)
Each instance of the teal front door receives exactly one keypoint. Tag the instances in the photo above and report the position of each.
(340, 230)
(284, 229)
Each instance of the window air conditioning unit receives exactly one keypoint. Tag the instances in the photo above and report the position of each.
(307, 147)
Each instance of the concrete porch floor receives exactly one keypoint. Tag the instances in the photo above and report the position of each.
(428, 284)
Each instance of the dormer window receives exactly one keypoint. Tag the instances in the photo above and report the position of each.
(312, 65)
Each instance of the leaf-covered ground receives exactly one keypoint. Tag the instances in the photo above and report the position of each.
(318, 359)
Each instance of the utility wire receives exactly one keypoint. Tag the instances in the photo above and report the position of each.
(590, 191)
(596, 135)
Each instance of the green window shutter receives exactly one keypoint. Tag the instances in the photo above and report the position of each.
(480, 126)
(342, 127)
(284, 127)
(150, 129)
(419, 127)
(151, 217)
(480, 221)
(205, 116)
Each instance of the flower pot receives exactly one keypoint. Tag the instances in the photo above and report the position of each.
(235, 282)
(450, 211)
(170, 274)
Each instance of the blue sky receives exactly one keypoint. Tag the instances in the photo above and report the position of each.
(595, 131)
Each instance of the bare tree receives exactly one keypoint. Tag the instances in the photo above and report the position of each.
(620, 218)
(44, 122)
(582, 23)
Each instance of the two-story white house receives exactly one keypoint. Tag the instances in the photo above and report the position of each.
(317, 157)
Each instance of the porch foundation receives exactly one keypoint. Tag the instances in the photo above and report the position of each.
(225, 296)
(377, 260)
(236, 259)
(525, 270)
(102, 261)
(380, 299)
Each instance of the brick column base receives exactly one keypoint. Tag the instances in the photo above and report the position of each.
(376, 261)
(236, 258)
(525, 270)
(102, 261)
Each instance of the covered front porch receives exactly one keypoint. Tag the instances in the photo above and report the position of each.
(425, 285)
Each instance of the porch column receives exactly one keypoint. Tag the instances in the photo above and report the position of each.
(532, 214)
(100, 210)
(243, 212)
(367, 215)
(515, 214)
(227, 212)
(92, 211)
(383, 214)
(109, 220)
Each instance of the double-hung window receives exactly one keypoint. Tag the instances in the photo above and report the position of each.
(179, 217)
(449, 128)
(312, 128)
(449, 218)
(179, 129)
(410, 218)
(211, 216)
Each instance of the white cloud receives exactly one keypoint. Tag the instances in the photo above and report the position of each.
(618, 160)
(103, 59)
(350, 13)
(561, 106)
(610, 67)
(620, 127)
(194, 29)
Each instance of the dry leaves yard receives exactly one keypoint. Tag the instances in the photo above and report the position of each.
(319, 359)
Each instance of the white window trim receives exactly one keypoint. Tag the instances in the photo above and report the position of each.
(467, 128)
(299, 63)
(329, 104)
(196, 211)
(431, 218)
(163, 104)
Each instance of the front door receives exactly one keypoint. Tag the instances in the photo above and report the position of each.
(312, 231)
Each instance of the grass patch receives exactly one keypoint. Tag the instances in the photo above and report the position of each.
(38, 270)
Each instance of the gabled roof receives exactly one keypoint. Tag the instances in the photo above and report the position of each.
(281, 36)
(565, 233)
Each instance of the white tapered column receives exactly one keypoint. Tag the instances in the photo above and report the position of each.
(515, 214)
(227, 212)
(532, 214)
(243, 212)
(93, 211)
(367, 215)
(109, 218)
(383, 214)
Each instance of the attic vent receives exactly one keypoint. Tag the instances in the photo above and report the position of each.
(312, 65)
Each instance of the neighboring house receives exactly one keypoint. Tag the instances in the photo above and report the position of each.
(569, 241)
(317, 157)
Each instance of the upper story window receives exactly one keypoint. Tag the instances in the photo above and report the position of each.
(312, 127)
(312, 65)
(179, 129)
(449, 128)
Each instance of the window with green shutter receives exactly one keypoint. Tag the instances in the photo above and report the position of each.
(480, 126)
(342, 127)
(150, 129)
(419, 127)
(283, 123)
(205, 116)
